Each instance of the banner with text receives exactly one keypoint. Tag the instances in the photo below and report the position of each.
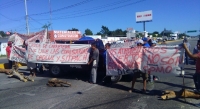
(160, 59)
(58, 53)
(18, 54)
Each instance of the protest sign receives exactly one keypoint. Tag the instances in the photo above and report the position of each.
(58, 53)
(160, 59)
(18, 54)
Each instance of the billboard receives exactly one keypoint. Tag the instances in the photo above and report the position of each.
(64, 35)
(144, 16)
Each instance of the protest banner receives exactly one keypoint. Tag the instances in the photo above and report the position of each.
(160, 59)
(18, 54)
(58, 53)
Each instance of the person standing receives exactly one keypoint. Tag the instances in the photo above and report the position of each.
(196, 76)
(30, 66)
(8, 52)
(145, 41)
(93, 62)
(138, 73)
(107, 79)
(195, 50)
(188, 46)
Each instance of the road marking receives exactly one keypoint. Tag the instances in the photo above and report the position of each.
(29, 94)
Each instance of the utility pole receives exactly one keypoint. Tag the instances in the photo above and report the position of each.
(27, 27)
(50, 10)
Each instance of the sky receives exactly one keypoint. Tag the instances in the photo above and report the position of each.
(175, 15)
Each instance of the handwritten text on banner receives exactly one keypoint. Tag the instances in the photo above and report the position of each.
(58, 53)
(160, 59)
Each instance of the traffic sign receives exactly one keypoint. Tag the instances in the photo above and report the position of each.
(191, 31)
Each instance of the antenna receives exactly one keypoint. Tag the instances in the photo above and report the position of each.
(27, 28)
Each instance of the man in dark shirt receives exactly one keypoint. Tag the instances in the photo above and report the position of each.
(93, 62)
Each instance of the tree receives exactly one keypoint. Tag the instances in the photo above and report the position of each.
(166, 32)
(155, 32)
(73, 29)
(105, 31)
(2, 33)
(88, 32)
(98, 33)
(118, 32)
(46, 26)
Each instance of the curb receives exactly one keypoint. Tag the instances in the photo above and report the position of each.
(5, 65)
(170, 41)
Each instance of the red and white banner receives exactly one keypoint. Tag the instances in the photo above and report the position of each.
(58, 53)
(160, 59)
(64, 35)
(18, 53)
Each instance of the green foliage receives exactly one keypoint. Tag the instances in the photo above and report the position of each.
(105, 31)
(88, 32)
(73, 29)
(2, 33)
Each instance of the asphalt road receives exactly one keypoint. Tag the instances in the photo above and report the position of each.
(3, 60)
(15, 94)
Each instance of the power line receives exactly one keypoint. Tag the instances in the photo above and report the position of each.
(97, 7)
(96, 12)
(11, 4)
(36, 21)
(67, 7)
(22, 25)
(8, 18)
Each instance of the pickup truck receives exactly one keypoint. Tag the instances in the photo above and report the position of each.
(57, 70)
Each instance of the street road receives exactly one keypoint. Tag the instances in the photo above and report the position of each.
(15, 94)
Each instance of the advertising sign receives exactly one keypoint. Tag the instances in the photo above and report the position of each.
(144, 16)
(64, 35)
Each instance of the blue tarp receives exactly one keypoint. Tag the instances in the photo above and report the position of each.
(86, 38)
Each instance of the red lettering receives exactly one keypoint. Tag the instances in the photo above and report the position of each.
(30, 56)
(85, 57)
(54, 51)
(163, 50)
(153, 59)
(45, 51)
(45, 57)
(44, 45)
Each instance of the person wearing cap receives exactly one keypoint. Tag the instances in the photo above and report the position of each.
(188, 46)
(146, 44)
(8, 52)
(138, 73)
